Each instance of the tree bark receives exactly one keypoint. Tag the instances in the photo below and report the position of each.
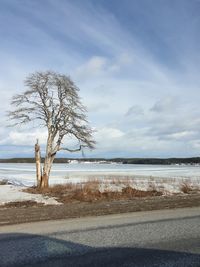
(44, 181)
(47, 164)
(38, 163)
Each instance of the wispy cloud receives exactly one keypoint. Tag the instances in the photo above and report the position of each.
(136, 63)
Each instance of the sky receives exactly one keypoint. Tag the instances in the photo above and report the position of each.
(136, 62)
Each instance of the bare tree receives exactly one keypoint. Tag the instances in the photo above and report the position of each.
(53, 99)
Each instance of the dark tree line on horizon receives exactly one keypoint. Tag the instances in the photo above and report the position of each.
(154, 161)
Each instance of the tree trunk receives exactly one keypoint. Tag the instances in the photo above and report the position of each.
(44, 181)
(46, 172)
(47, 164)
(38, 163)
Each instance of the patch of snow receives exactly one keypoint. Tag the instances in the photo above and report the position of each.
(13, 193)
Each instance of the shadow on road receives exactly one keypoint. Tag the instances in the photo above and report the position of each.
(36, 250)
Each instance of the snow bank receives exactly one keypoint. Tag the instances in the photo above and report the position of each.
(13, 193)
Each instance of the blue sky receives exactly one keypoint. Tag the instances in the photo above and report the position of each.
(136, 63)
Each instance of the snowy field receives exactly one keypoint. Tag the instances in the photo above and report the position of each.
(167, 178)
(24, 173)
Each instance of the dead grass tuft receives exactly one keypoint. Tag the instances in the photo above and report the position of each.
(126, 181)
(186, 188)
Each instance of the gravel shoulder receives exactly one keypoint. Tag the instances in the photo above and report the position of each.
(24, 212)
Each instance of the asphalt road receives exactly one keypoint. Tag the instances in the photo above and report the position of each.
(157, 238)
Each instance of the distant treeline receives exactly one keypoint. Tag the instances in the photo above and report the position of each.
(166, 161)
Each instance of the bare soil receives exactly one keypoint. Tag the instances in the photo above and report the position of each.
(15, 213)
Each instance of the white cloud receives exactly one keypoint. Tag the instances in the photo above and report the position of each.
(184, 135)
(25, 138)
(108, 135)
(94, 66)
(97, 67)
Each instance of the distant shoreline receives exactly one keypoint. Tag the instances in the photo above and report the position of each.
(152, 161)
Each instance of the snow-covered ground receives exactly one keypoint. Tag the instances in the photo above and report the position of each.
(12, 193)
(167, 179)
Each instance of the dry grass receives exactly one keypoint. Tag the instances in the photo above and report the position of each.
(4, 182)
(151, 186)
(126, 181)
(90, 192)
(132, 192)
(187, 188)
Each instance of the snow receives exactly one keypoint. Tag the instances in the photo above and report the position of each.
(13, 193)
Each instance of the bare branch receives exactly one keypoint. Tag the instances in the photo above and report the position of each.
(71, 150)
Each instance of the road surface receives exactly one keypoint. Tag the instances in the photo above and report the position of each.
(156, 238)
